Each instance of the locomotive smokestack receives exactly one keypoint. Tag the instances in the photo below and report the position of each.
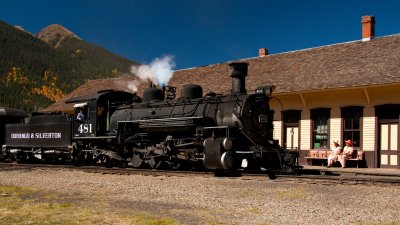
(238, 73)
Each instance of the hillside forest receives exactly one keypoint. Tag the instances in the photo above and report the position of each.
(35, 72)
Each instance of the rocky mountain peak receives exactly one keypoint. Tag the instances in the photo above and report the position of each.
(54, 34)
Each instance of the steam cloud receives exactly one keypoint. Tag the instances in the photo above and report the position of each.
(132, 85)
(159, 71)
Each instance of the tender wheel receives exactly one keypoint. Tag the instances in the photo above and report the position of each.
(123, 164)
(21, 157)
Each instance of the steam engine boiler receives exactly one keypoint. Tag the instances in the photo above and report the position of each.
(225, 132)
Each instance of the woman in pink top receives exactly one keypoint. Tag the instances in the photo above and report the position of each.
(347, 152)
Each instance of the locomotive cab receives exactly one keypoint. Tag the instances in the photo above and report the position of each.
(85, 119)
(92, 113)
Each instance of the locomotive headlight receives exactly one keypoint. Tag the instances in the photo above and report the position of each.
(227, 143)
(265, 90)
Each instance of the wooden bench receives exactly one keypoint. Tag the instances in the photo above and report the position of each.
(320, 157)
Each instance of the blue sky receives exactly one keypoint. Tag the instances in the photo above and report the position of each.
(202, 32)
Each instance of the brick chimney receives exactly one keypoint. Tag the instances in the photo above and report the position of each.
(263, 52)
(368, 27)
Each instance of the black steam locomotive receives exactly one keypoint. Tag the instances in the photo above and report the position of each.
(219, 132)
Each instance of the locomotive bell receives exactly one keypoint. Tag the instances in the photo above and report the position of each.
(153, 94)
(238, 73)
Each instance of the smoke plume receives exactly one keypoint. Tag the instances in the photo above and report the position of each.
(132, 85)
(159, 71)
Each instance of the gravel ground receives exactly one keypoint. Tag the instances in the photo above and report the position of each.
(215, 200)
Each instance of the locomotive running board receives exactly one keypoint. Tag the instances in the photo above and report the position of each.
(170, 122)
(98, 137)
(244, 152)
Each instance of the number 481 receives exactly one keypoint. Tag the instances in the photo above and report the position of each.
(85, 128)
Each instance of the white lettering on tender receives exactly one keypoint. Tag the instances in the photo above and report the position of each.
(20, 135)
(35, 135)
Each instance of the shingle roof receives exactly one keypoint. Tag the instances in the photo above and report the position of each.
(343, 65)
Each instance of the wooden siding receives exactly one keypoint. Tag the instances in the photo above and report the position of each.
(305, 127)
(368, 129)
(278, 131)
(335, 126)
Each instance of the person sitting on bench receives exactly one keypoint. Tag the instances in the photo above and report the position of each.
(335, 154)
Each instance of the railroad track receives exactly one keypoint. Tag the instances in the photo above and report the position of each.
(342, 179)
(320, 179)
(102, 170)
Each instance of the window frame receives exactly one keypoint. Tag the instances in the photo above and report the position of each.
(350, 112)
(315, 115)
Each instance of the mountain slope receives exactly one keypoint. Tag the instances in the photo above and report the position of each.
(40, 69)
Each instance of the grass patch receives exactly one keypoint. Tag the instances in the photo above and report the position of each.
(28, 206)
(207, 216)
(291, 194)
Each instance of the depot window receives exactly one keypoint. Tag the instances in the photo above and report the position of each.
(352, 124)
(320, 136)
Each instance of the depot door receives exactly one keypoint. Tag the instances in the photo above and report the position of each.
(388, 135)
(388, 144)
(292, 137)
(291, 122)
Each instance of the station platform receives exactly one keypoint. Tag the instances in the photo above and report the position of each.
(307, 169)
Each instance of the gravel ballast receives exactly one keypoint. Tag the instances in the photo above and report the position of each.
(216, 200)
